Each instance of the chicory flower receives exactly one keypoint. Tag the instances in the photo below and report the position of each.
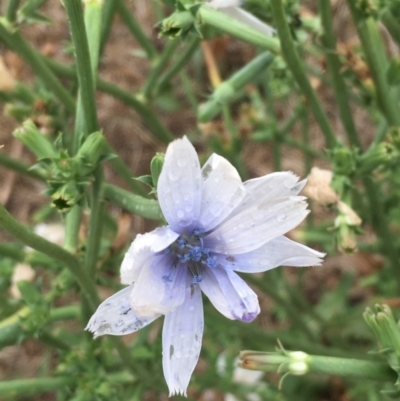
(216, 225)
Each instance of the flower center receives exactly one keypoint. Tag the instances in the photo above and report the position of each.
(190, 249)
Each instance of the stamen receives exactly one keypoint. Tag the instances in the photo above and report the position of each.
(195, 253)
(212, 262)
(191, 250)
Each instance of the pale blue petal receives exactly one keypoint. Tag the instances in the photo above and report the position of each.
(230, 295)
(222, 192)
(248, 19)
(179, 186)
(143, 248)
(159, 287)
(269, 187)
(181, 338)
(255, 226)
(280, 251)
(115, 316)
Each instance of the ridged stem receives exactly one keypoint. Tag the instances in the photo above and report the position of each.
(11, 10)
(158, 66)
(300, 363)
(136, 30)
(296, 67)
(225, 24)
(27, 237)
(179, 63)
(147, 208)
(15, 42)
(374, 51)
(335, 67)
(149, 117)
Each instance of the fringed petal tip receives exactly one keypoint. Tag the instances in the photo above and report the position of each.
(93, 328)
(319, 259)
(177, 391)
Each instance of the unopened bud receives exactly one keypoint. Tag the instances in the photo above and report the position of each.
(91, 152)
(294, 362)
(31, 137)
(156, 166)
(66, 196)
(298, 364)
(177, 24)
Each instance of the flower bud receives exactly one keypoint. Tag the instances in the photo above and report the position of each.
(344, 160)
(31, 137)
(90, 153)
(382, 155)
(179, 23)
(156, 166)
(298, 364)
(294, 362)
(387, 333)
(65, 197)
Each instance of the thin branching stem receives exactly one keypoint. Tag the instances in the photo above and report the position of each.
(297, 69)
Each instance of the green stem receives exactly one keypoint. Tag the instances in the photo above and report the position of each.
(392, 25)
(92, 23)
(227, 90)
(95, 224)
(72, 225)
(27, 237)
(49, 339)
(136, 29)
(11, 329)
(298, 319)
(158, 67)
(381, 226)
(12, 8)
(296, 67)
(12, 251)
(303, 147)
(374, 50)
(335, 67)
(31, 387)
(344, 367)
(148, 115)
(351, 368)
(20, 168)
(83, 63)
(109, 10)
(15, 42)
(85, 32)
(188, 90)
(138, 205)
(179, 63)
(235, 28)
(93, 15)
(92, 20)
(125, 172)
(380, 133)
(305, 130)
